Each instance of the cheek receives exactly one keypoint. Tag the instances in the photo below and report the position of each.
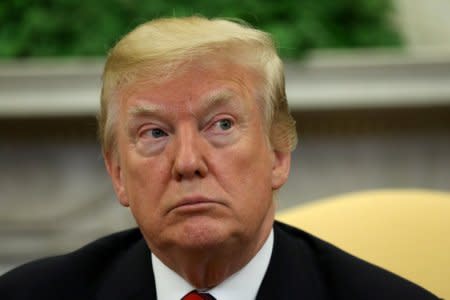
(144, 182)
(246, 169)
(248, 184)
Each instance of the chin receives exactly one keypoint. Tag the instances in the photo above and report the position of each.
(203, 233)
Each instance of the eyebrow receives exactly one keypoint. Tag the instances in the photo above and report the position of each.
(141, 110)
(209, 103)
(145, 109)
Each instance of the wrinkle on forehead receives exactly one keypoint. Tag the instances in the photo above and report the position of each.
(239, 82)
(207, 103)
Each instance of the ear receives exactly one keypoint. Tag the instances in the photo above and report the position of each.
(112, 163)
(280, 168)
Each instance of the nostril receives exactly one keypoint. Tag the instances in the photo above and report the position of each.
(180, 176)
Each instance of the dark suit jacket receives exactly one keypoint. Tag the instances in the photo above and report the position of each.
(119, 267)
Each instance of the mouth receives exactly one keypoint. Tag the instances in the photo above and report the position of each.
(195, 204)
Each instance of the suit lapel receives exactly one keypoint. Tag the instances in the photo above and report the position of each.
(292, 271)
(131, 277)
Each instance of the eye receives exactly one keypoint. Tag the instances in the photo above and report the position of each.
(224, 124)
(156, 133)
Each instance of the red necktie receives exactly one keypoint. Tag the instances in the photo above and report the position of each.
(194, 295)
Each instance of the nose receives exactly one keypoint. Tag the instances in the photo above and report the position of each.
(189, 159)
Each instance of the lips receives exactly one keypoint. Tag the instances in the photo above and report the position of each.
(194, 200)
(194, 203)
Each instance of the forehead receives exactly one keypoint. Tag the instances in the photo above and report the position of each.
(196, 84)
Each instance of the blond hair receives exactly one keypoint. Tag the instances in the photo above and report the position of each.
(154, 50)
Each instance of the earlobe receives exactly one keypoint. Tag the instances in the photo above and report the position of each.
(280, 168)
(115, 172)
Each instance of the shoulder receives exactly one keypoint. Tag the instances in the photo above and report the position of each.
(348, 277)
(76, 272)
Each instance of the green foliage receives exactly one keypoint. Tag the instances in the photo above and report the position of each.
(90, 28)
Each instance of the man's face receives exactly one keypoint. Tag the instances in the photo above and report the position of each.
(194, 162)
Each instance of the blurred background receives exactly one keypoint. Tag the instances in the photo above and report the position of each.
(368, 82)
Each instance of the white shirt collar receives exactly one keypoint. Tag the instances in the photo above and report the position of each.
(243, 284)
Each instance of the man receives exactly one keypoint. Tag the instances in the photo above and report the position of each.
(197, 137)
